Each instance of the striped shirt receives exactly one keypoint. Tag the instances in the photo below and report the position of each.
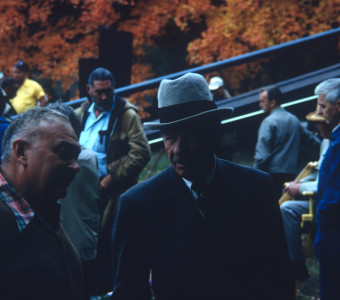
(22, 210)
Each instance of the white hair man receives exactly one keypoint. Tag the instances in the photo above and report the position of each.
(327, 240)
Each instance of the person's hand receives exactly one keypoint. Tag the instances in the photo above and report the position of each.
(292, 188)
(105, 182)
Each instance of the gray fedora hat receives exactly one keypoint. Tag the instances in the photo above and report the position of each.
(185, 100)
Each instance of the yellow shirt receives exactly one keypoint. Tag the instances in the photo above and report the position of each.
(27, 96)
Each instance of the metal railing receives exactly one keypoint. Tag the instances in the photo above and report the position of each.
(226, 63)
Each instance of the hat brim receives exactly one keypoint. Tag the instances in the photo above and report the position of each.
(314, 117)
(214, 114)
(214, 87)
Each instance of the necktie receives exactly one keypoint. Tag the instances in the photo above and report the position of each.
(201, 189)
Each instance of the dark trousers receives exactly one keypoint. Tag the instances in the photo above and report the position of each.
(102, 265)
(327, 250)
(88, 278)
(103, 270)
(279, 181)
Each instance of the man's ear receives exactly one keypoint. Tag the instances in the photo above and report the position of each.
(337, 104)
(88, 89)
(273, 103)
(20, 148)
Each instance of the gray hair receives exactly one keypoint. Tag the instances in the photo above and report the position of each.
(330, 88)
(27, 125)
(69, 112)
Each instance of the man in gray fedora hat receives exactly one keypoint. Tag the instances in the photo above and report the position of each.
(204, 228)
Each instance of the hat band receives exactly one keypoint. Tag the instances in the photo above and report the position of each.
(180, 111)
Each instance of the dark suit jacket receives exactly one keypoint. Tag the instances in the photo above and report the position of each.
(240, 253)
(37, 263)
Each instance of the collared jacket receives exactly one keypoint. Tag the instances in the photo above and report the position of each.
(279, 140)
(128, 152)
(127, 155)
(37, 263)
(79, 208)
(238, 253)
(328, 199)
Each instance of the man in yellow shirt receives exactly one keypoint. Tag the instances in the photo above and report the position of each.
(29, 93)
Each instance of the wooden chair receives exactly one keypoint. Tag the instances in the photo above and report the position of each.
(308, 226)
(307, 220)
(305, 172)
(308, 217)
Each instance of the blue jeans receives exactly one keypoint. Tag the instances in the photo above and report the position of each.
(291, 215)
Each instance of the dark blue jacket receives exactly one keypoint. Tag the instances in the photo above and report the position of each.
(328, 209)
(240, 253)
(4, 123)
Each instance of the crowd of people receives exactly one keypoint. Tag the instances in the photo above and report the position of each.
(75, 223)
(279, 139)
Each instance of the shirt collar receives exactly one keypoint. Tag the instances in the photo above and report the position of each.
(278, 108)
(209, 178)
(22, 210)
(336, 128)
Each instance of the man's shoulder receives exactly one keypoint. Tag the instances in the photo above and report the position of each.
(279, 112)
(125, 107)
(280, 116)
(7, 219)
(334, 146)
(336, 134)
(4, 209)
(248, 183)
(152, 186)
(32, 84)
(288, 117)
(243, 172)
(87, 156)
(82, 109)
(269, 119)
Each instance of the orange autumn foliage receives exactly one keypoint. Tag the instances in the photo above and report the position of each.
(51, 36)
(248, 25)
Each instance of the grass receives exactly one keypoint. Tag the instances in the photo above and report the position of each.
(309, 289)
(159, 161)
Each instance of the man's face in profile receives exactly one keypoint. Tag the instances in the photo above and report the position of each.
(264, 103)
(102, 93)
(331, 112)
(52, 160)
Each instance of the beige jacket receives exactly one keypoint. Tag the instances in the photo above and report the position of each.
(128, 153)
